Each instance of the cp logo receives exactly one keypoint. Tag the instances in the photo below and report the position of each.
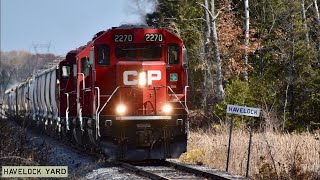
(151, 75)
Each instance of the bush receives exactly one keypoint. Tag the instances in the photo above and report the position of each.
(237, 93)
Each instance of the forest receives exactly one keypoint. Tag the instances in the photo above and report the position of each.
(262, 54)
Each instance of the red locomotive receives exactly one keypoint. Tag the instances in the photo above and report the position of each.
(125, 92)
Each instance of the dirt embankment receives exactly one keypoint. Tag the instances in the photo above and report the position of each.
(26, 147)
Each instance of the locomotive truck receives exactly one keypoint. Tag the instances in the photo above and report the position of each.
(125, 93)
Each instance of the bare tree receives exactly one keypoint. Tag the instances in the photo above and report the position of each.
(1, 80)
(208, 79)
(246, 40)
(318, 20)
(305, 26)
(219, 91)
(220, 94)
(291, 64)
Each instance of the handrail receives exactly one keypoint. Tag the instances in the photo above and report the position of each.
(67, 112)
(80, 110)
(185, 98)
(185, 108)
(83, 80)
(104, 105)
(97, 117)
(80, 118)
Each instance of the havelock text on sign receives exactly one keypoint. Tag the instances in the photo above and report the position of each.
(242, 110)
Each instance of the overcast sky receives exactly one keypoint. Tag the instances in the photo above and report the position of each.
(58, 26)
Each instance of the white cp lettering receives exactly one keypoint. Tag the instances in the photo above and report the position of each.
(152, 75)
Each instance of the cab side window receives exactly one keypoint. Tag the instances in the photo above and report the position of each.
(85, 66)
(65, 72)
(173, 54)
(104, 55)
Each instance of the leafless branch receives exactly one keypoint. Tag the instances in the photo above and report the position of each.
(210, 13)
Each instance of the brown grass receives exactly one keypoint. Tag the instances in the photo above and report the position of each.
(273, 155)
(16, 148)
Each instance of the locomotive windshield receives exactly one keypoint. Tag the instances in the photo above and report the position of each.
(146, 53)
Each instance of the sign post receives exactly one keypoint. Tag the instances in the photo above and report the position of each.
(249, 149)
(229, 144)
(245, 111)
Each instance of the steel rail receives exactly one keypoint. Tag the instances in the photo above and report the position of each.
(178, 167)
(196, 171)
(140, 171)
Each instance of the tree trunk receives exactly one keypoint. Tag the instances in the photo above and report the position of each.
(285, 107)
(317, 11)
(208, 80)
(318, 20)
(305, 26)
(246, 40)
(291, 71)
(1, 81)
(220, 94)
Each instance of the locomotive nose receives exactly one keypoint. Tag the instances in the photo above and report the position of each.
(141, 73)
(143, 87)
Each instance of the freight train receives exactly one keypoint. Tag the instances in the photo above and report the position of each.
(125, 93)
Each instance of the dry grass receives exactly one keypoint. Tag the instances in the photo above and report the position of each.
(273, 155)
(16, 148)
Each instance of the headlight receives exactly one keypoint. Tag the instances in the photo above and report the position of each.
(142, 79)
(121, 109)
(167, 108)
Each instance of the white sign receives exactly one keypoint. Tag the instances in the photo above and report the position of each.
(242, 110)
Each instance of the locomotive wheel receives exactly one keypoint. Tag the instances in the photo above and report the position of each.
(42, 126)
(94, 141)
(57, 129)
(65, 134)
(45, 124)
(49, 128)
(77, 136)
(54, 128)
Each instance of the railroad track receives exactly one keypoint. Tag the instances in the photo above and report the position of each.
(172, 170)
(169, 169)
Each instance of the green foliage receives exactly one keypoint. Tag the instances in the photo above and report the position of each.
(239, 93)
